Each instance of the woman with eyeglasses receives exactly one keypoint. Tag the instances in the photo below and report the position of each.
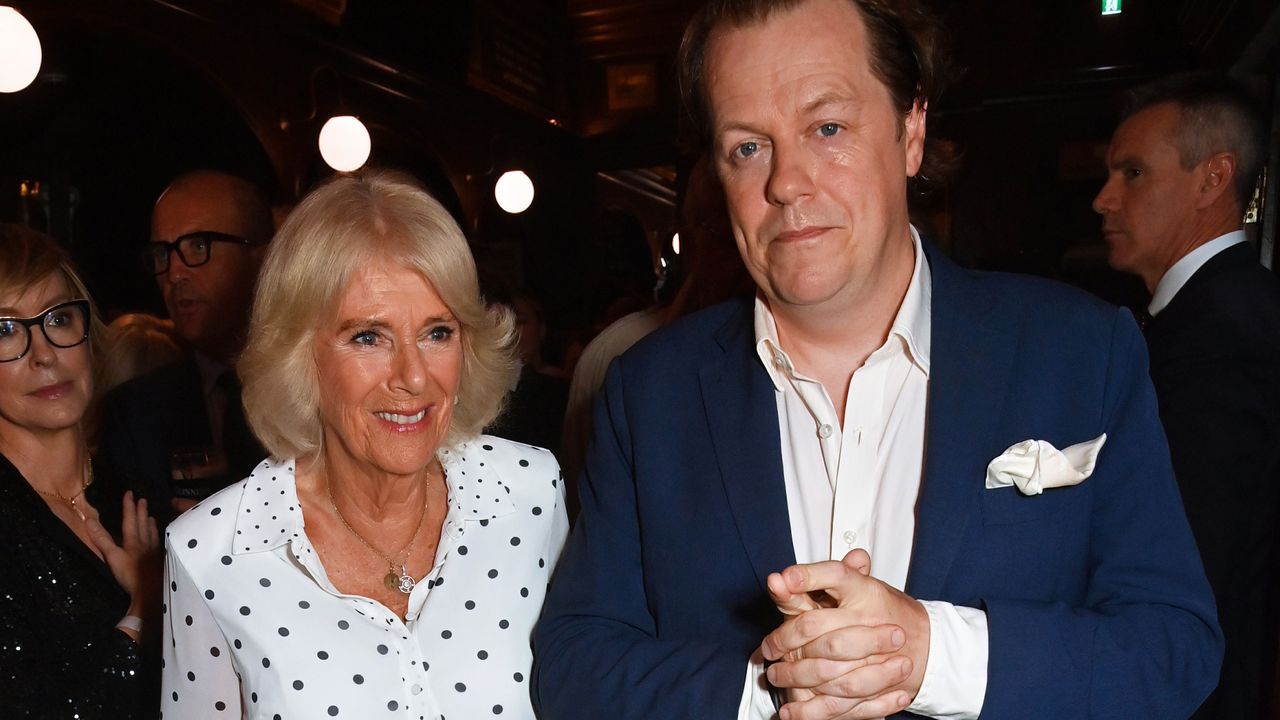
(81, 563)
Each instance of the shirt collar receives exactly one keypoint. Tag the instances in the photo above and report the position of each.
(1181, 271)
(912, 324)
(270, 515)
(477, 493)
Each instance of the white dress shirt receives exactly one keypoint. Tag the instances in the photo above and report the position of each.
(255, 629)
(855, 486)
(1180, 272)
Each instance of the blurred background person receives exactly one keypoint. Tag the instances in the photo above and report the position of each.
(81, 566)
(317, 587)
(713, 273)
(136, 344)
(180, 429)
(534, 412)
(1182, 167)
(133, 344)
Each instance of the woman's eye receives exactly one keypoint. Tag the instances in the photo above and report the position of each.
(440, 333)
(828, 129)
(368, 337)
(58, 319)
(746, 149)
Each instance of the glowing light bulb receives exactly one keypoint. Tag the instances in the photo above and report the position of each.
(514, 192)
(19, 51)
(345, 143)
(675, 243)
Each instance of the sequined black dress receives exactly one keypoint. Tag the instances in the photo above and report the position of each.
(60, 654)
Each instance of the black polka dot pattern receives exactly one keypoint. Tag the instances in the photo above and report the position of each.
(246, 591)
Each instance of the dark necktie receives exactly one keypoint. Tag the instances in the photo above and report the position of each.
(238, 443)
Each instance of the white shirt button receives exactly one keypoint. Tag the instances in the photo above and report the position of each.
(824, 431)
(850, 537)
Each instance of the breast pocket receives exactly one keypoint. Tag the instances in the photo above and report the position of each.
(1008, 506)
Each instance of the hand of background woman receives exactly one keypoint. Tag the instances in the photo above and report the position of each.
(138, 561)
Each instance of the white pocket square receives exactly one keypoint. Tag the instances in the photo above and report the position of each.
(1034, 465)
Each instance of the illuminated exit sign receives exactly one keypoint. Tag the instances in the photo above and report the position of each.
(1110, 7)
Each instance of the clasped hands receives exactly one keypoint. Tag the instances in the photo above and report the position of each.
(851, 647)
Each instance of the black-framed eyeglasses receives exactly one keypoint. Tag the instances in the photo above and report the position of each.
(194, 249)
(64, 325)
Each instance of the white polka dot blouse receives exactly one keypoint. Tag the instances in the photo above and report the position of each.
(254, 628)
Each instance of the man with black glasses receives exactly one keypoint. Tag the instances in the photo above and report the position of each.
(180, 430)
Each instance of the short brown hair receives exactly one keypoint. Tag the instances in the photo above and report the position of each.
(906, 51)
(346, 224)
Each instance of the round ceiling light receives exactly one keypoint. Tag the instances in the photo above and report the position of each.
(345, 143)
(19, 51)
(514, 192)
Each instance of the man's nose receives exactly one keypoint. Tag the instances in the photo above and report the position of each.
(790, 178)
(1105, 201)
(177, 270)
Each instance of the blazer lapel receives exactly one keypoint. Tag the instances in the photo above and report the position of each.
(739, 401)
(969, 368)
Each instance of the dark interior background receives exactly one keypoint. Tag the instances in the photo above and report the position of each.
(581, 95)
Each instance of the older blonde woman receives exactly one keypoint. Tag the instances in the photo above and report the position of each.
(387, 559)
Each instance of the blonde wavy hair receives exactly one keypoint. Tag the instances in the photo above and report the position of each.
(347, 224)
(27, 257)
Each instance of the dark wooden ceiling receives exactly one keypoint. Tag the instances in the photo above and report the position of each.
(1002, 48)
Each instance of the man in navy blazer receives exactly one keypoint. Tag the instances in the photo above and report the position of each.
(869, 362)
(1182, 166)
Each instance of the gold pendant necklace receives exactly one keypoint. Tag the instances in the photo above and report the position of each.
(394, 579)
(71, 501)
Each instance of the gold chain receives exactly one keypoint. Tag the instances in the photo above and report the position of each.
(71, 501)
(400, 580)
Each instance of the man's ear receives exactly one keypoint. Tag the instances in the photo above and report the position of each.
(913, 136)
(1217, 177)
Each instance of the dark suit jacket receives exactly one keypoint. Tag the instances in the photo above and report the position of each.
(1215, 362)
(147, 418)
(1096, 601)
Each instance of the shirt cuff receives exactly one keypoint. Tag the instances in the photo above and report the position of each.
(955, 677)
(756, 703)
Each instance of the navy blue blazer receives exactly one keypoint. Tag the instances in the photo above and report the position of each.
(1096, 599)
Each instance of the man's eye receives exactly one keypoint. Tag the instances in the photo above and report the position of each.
(1133, 172)
(828, 129)
(746, 149)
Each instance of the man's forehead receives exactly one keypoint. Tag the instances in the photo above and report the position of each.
(193, 208)
(815, 53)
(1146, 131)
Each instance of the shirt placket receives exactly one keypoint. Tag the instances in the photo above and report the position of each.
(853, 504)
(413, 668)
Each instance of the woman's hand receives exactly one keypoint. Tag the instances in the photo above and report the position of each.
(138, 561)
